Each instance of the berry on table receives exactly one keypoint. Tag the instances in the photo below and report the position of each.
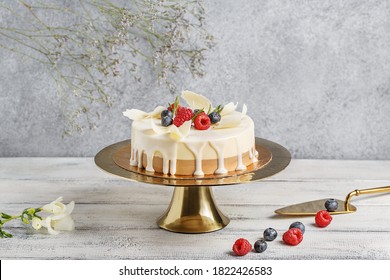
(214, 117)
(298, 225)
(202, 121)
(260, 246)
(166, 121)
(293, 236)
(323, 218)
(270, 234)
(331, 205)
(242, 247)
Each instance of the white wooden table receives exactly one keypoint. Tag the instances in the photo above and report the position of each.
(116, 218)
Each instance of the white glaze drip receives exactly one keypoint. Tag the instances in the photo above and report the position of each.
(239, 166)
(172, 167)
(142, 146)
(253, 154)
(133, 156)
(149, 161)
(219, 147)
(133, 159)
(197, 150)
(254, 151)
(165, 165)
(140, 152)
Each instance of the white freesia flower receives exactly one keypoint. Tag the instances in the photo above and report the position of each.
(36, 223)
(60, 220)
(47, 224)
(55, 207)
(65, 223)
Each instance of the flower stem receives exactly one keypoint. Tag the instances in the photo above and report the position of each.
(25, 217)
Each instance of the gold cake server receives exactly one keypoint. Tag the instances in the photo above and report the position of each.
(310, 208)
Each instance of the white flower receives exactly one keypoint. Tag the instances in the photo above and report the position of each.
(60, 220)
(65, 223)
(36, 223)
(55, 207)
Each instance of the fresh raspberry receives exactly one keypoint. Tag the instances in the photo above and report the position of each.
(323, 218)
(187, 112)
(293, 236)
(242, 247)
(183, 114)
(179, 120)
(202, 121)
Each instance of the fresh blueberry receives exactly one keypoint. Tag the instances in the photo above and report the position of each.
(167, 113)
(331, 205)
(270, 234)
(214, 117)
(260, 246)
(166, 121)
(298, 225)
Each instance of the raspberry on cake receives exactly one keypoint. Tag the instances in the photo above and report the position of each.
(193, 139)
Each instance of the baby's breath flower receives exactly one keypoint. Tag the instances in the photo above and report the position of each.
(84, 55)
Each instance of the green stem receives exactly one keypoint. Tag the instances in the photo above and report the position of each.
(23, 44)
(10, 219)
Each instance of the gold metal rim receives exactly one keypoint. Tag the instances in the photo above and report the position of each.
(280, 160)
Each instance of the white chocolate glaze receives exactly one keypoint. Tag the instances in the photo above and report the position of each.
(198, 145)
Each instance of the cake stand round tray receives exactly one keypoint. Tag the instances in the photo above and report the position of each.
(193, 208)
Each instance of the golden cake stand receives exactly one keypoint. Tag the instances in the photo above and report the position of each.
(193, 208)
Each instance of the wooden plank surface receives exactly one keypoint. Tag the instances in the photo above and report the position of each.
(116, 218)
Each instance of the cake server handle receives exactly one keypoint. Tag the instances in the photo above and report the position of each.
(364, 191)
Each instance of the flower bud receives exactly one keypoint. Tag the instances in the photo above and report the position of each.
(36, 223)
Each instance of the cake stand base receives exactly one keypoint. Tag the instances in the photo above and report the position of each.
(193, 210)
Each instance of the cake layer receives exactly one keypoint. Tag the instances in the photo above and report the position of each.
(187, 167)
(198, 153)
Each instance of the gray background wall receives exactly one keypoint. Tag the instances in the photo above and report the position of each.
(314, 74)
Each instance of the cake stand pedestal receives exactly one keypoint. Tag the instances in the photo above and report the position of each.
(193, 208)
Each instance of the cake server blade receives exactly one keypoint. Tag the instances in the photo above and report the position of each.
(311, 208)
